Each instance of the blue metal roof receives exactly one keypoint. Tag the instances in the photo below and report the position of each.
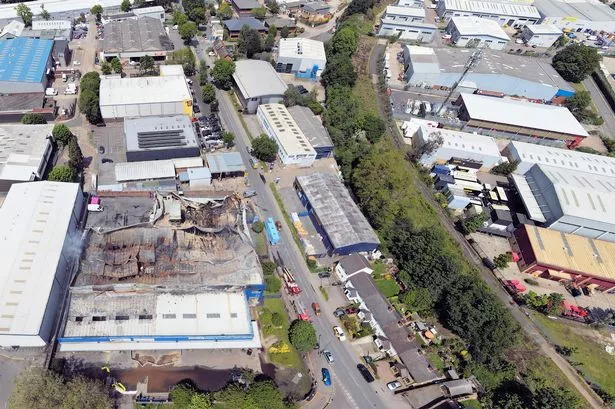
(24, 59)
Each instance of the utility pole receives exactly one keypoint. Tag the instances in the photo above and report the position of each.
(471, 63)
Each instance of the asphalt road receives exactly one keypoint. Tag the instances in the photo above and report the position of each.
(603, 108)
(350, 390)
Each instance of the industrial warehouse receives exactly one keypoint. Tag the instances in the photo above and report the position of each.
(135, 38)
(183, 280)
(145, 96)
(257, 83)
(39, 255)
(25, 65)
(302, 56)
(25, 152)
(344, 228)
(569, 258)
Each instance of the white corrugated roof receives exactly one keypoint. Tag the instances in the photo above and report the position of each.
(156, 169)
(492, 8)
(467, 142)
(302, 48)
(476, 26)
(523, 114)
(529, 201)
(22, 150)
(544, 29)
(34, 220)
(404, 11)
(258, 78)
(57, 6)
(144, 90)
(286, 130)
(562, 158)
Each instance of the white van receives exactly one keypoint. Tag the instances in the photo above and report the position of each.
(50, 92)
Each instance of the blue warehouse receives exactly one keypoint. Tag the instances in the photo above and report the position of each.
(25, 64)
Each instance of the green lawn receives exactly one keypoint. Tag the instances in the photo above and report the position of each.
(471, 404)
(595, 363)
(292, 358)
(435, 360)
(387, 287)
(260, 243)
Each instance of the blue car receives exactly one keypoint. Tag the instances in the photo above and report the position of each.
(326, 377)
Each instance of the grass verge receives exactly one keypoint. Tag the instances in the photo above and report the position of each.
(276, 305)
(580, 87)
(324, 293)
(589, 356)
(388, 288)
(239, 109)
(289, 222)
(260, 243)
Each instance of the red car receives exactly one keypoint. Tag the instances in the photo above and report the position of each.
(352, 310)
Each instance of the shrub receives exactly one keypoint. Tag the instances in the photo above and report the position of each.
(61, 133)
(258, 226)
(268, 267)
(273, 284)
(277, 319)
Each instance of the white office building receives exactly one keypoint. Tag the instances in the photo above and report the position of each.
(474, 32)
(407, 30)
(39, 250)
(455, 144)
(506, 14)
(541, 35)
(294, 147)
(397, 13)
(303, 56)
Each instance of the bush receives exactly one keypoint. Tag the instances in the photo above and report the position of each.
(505, 168)
(501, 261)
(531, 281)
(269, 267)
(61, 133)
(311, 263)
(264, 148)
(33, 119)
(258, 226)
(272, 284)
(302, 336)
(62, 173)
(277, 319)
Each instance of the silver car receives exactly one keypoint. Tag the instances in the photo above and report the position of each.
(328, 356)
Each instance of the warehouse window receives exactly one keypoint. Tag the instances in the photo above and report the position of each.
(168, 316)
(98, 318)
(145, 317)
(78, 319)
(122, 317)
(189, 315)
(233, 315)
(213, 315)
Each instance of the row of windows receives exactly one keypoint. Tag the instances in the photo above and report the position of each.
(99, 318)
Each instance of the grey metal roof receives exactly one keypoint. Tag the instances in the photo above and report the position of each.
(584, 10)
(353, 263)
(151, 133)
(311, 126)
(246, 4)
(339, 215)
(258, 78)
(141, 34)
(319, 7)
(280, 22)
(459, 387)
(236, 24)
(226, 162)
(388, 318)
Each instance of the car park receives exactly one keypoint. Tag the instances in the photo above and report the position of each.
(339, 333)
(393, 385)
(326, 377)
(367, 375)
(328, 356)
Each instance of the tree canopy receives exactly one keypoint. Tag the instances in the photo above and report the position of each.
(42, 389)
(209, 93)
(188, 30)
(575, 62)
(222, 73)
(25, 13)
(259, 13)
(44, 13)
(126, 6)
(97, 10)
(264, 148)
(33, 119)
(505, 168)
(225, 11)
(62, 173)
(302, 336)
(147, 64)
(249, 42)
(116, 65)
(61, 133)
(229, 139)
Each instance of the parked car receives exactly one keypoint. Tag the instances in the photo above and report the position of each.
(324, 274)
(339, 333)
(316, 308)
(278, 225)
(367, 375)
(328, 356)
(196, 108)
(326, 377)
(352, 310)
(107, 160)
(101, 150)
(302, 89)
(393, 385)
(340, 312)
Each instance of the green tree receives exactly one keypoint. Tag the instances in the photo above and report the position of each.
(274, 7)
(552, 398)
(89, 105)
(38, 388)
(344, 42)
(86, 393)
(269, 267)
(97, 10)
(249, 42)
(302, 336)
(125, 6)
(472, 223)
(44, 13)
(579, 101)
(264, 148)
(555, 304)
(273, 284)
(200, 401)
(292, 97)
(270, 39)
(501, 261)
(374, 128)
(259, 395)
(147, 64)
(209, 93)
(339, 71)
(85, 98)
(277, 319)
(575, 62)
(106, 68)
(186, 396)
(75, 156)
(62, 173)
(188, 30)
(258, 226)
(61, 133)
(358, 7)
(505, 168)
(90, 82)
(178, 18)
(285, 32)
(418, 299)
(25, 13)
(259, 13)
(116, 64)
(202, 73)
(222, 73)
(33, 119)
(229, 139)
(225, 11)
(197, 14)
